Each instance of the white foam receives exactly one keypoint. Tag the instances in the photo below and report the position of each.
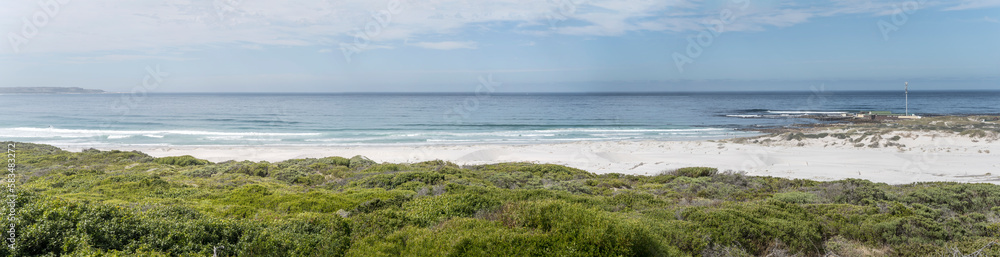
(804, 112)
(56, 132)
(185, 137)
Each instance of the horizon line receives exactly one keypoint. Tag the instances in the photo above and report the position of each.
(547, 92)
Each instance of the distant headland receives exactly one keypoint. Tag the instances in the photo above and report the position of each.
(48, 90)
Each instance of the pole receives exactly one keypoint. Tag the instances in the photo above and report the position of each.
(907, 84)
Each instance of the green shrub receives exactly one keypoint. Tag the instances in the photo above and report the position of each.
(339, 161)
(959, 197)
(260, 169)
(391, 181)
(387, 167)
(429, 210)
(857, 191)
(185, 160)
(359, 162)
(796, 197)
(204, 171)
(52, 226)
(756, 226)
(541, 171)
(113, 203)
(695, 172)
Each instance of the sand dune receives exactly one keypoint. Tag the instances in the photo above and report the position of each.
(918, 156)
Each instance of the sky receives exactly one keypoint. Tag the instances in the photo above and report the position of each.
(515, 45)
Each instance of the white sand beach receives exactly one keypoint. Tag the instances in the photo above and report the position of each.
(919, 157)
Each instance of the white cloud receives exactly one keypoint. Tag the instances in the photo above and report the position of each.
(123, 57)
(186, 25)
(447, 45)
(974, 4)
(103, 25)
(253, 47)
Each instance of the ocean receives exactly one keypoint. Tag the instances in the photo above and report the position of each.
(326, 119)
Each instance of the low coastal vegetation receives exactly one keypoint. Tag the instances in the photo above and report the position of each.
(884, 134)
(95, 203)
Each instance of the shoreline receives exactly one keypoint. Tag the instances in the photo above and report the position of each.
(949, 148)
(926, 157)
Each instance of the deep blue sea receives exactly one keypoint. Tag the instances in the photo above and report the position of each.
(420, 119)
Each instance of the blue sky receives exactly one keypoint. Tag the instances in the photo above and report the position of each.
(529, 46)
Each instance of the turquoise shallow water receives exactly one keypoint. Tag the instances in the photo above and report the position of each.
(420, 119)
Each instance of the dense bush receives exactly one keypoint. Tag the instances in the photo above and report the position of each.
(185, 160)
(695, 172)
(360, 162)
(95, 203)
(53, 226)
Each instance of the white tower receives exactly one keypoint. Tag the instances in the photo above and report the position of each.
(907, 84)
